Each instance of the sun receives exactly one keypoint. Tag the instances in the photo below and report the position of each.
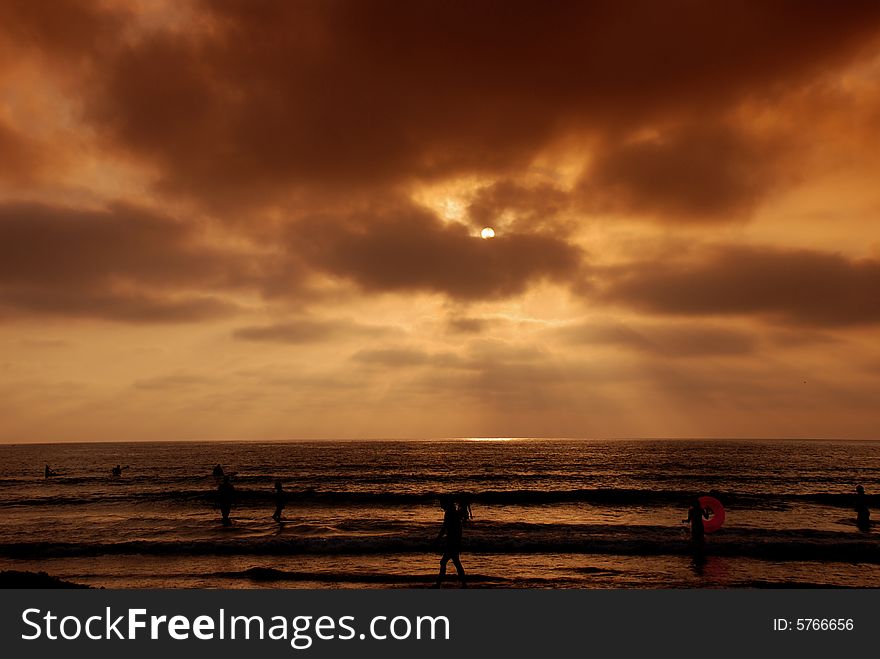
(487, 232)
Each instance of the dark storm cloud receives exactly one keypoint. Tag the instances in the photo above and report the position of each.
(671, 340)
(122, 264)
(259, 102)
(799, 287)
(695, 172)
(262, 97)
(410, 249)
(67, 29)
(127, 263)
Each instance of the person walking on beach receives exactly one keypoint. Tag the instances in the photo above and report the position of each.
(863, 513)
(453, 518)
(279, 501)
(225, 495)
(695, 518)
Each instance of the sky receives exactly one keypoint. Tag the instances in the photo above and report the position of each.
(261, 220)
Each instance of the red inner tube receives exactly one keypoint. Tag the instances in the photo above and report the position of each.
(717, 514)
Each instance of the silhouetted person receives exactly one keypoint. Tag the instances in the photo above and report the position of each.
(117, 471)
(218, 472)
(452, 523)
(225, 495)
(696, 513)
(48, 472)
(863, 513)
(279, 501)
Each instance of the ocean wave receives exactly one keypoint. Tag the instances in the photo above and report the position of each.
(522, 497)
(268, 574)
(489, 538)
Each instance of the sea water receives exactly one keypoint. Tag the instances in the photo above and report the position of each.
(546, 513)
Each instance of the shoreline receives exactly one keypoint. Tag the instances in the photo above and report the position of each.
(36, 580)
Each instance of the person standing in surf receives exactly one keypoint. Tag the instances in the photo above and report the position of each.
(279, 501)
(863, 513)
(225, 495)
(453, 518)
(696, 513)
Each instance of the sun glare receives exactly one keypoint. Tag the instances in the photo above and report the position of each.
(487, 232)
(489, 439)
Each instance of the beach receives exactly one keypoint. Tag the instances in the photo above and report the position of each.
(546, 513)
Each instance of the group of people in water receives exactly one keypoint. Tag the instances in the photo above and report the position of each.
(457, 512)
(226, 496)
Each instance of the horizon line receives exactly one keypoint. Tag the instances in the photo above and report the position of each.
(475, 439)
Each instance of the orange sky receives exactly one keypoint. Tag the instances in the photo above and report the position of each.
(261, 219)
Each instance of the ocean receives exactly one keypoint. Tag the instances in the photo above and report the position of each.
(359, 514)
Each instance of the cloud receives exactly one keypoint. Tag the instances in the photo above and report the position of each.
(22, 160)
(403, 357)
(307, 330)
(671, 340)
(68, 30)
(694, 172)
(468, 325)
(515, 204)
(410, 249)
(173, 381)
(250, 102)
(123, 263)
(131, 264)
(393, 357)
(115, 306)
(795, 287)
